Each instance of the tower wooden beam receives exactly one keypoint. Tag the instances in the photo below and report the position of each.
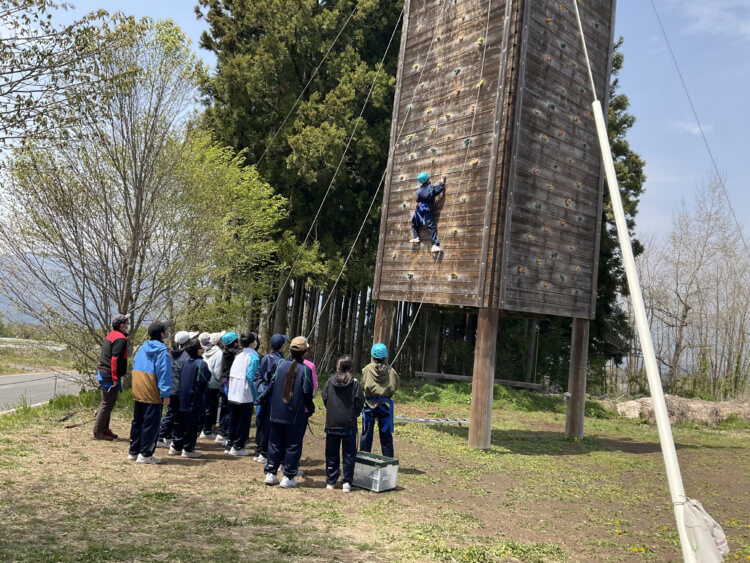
(480, 428)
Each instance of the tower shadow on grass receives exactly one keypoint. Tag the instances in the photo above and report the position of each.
(539, 442)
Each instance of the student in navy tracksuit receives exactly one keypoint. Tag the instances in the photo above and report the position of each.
(179, 357)
(265, 372)
(343, 398)
(423, 213)
(194, 378)
(113, 364)
(290, 392)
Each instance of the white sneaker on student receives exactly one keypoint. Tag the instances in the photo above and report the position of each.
(330, 487)
(220, 440)
(271, 479)
(260, 458)
(173, 451)
(436, 248)
(287, 483)
(242, 452)
(347, 488)
(191, 455)
(162, 443)
(206, 435)
(149, 459)
(132, 457)
(415, 240)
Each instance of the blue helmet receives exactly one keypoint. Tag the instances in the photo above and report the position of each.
(228, 338)
(379, 351)
(423, 177)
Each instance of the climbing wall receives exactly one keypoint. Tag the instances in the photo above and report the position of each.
(495, 96)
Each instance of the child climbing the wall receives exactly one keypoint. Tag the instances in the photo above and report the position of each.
(423, 213)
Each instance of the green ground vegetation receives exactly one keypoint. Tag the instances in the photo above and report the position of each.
(534, 496)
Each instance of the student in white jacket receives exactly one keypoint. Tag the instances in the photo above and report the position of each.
(242, 394)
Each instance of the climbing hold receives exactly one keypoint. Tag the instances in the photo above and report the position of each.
(546, 284)
(440, 66)
(538, 205)
(529, 236)
(408, 137)
(454, 230)
(563, 223)
(580, 184)
(456, 71)
(568, 201)
(549, 187)
(416, 66)
(432, 128)
(403, 206)
(460, 37)
(546, 229)
(571, 161)
(560, 133)
(408, 107)
(544, 137)
(538, 260)
(472, 108)
(467, 142)
(412, 155)
(549, 21)
(575, 118)
(409, 275)
(521, 269)
(549, 58)
(554, 255)
(394, 254)
(536, 171)
(588, 114)
(454, 275)
(463, 198)
(572, 247)
(575, 63)
(428, 111)
(401, 177)
(580, 219)
(562, 277)
(561, 7)
(480, 83)
(562, 90)
(577, 268)
(447, 116)
(480, 41)
(432, 159)
(433, 149)
(458, 91)
(536, 111)
(563, 45)
(475, 162)
(555, 166)
(421, 85)
(419, 28)
(551, 106)
(449, 137)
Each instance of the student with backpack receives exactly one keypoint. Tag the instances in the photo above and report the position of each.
(194, 378)
(242, 394)
(179, 357)
(343, 398)
(379, 381)
(290, 392)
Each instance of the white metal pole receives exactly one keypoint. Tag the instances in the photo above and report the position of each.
(674, 477)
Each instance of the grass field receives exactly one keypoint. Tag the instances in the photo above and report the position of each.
(533, 497)
(19, 356)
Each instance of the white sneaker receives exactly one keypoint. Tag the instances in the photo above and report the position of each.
(206, 436)
(191, 455)
(220, 440)
(436, 248)
(163, 443)
(287, 483)
(260, 458)
(149, 459)
(132, 457)
(415, 240)
(347, 488)
(242, 453)
(299, 473)
(173, 451)
(330, 487)
(271, 479)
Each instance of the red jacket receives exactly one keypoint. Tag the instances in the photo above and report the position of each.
(113, 362)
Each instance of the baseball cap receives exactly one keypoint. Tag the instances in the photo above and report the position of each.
(183, 336)
(299, 344)
(215, 337)
(119, 319)
(277, 340)
(228, 338)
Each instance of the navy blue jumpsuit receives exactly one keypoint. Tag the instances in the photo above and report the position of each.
(423, 213)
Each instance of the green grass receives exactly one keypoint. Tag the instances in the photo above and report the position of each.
(30, 356)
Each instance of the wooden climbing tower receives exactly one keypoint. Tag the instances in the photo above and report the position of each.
(494, 94)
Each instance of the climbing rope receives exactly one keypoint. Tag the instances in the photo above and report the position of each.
(460, 182)
(312, 77)
(343, 156)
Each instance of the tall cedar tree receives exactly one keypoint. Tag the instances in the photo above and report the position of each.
(267, 51)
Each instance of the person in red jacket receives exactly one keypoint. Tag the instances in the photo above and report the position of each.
(113, 364)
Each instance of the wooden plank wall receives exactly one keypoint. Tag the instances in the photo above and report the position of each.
(553, 220)
(449, 83)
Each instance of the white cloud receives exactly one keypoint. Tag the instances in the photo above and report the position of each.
(690, 127)
(729, 18)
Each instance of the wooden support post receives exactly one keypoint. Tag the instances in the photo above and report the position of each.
(529, 362)
(384, 312)
(579, 357)
(480, 427)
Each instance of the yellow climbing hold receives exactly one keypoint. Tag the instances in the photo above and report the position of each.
(440, 65)
(458, 91)
(549, 21)
(428, 111)
(571, 160)
(568, 201)
(408, 137)
(454, 230)
(472, 108)
(401, 177)
(561, 7)
(463, 198)
(536, 111)
(580, 184)
(447, 116)
(538, 261)
(454, 275)
(562, 223)
(544, 137)
(575, 118)
(475, 162)
(575, 63)
(432, 128)
(480, 83)
(460, 37)
(578, 268)
(521, 269)
(480, 41)
(411, 155)
(416, 66)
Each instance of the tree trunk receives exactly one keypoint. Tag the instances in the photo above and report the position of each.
(321, 340)
(279, 320)
(333, 336)
(530, 356)
(357, 353)
(342, 336)
(296, 302)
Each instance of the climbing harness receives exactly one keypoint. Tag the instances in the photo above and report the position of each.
(368, 413)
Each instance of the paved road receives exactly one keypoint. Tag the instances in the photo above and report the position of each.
(36, 387)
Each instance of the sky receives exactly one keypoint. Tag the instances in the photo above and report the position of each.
(711, 42)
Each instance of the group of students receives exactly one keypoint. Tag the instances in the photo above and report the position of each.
(220, 377)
